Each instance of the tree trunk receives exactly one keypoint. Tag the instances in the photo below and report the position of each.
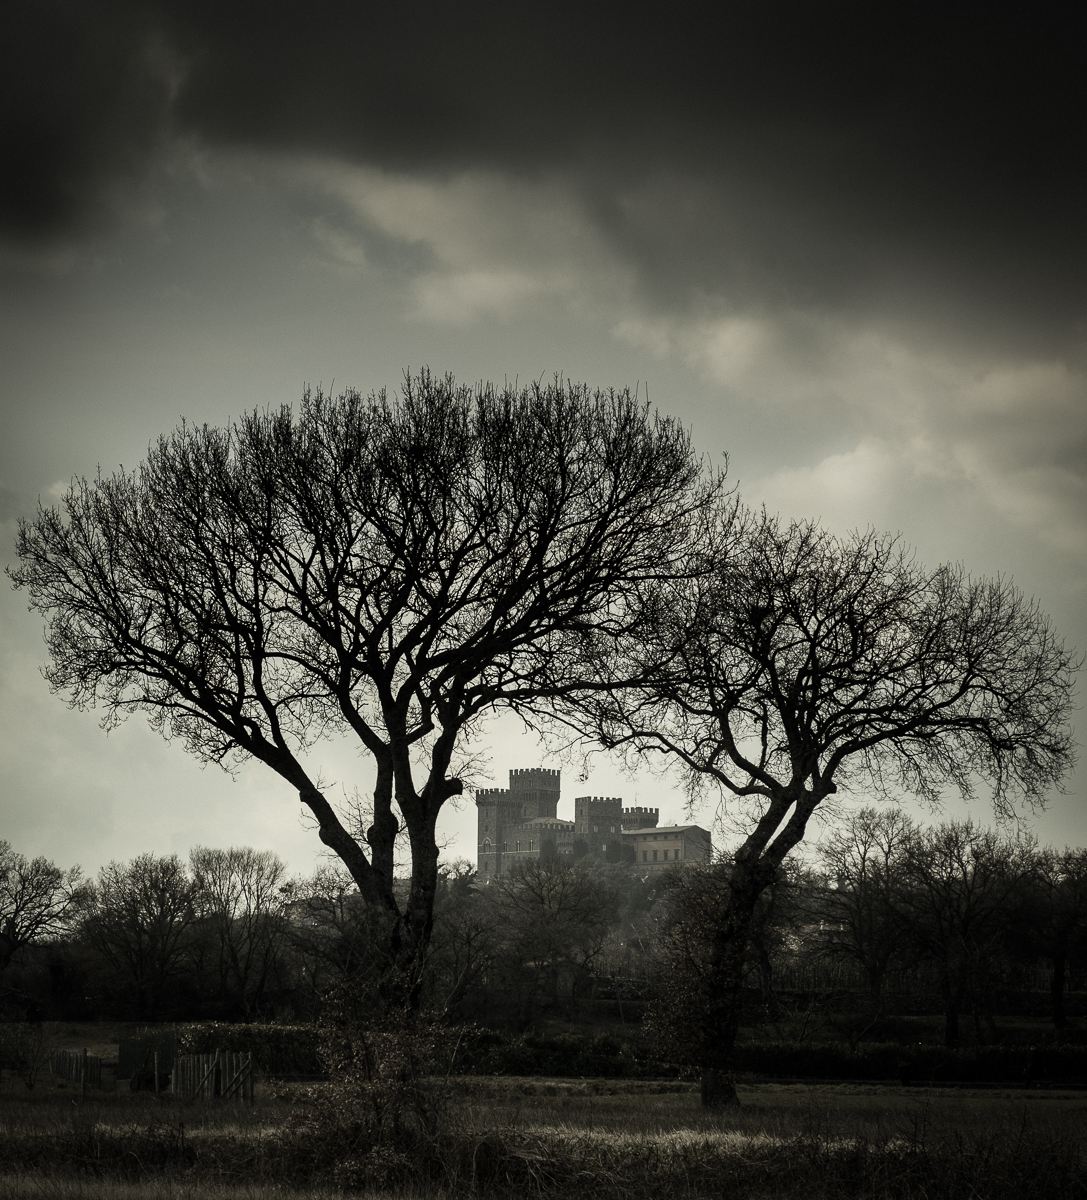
(718, 1089)
(1056, 992)
(953, 1002)
(724, 986)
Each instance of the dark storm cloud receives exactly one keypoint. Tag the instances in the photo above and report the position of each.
(777, 152)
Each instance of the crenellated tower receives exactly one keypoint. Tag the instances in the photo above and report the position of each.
(533, 793)
(598, 827)
(537, 788)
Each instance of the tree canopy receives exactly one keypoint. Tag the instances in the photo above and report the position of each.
(37, 900)
(800, 665)
(393, 568)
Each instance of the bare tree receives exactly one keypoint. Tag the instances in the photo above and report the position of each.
(390, 569)
(1050, 920)
(862, 860)
(955, 889)
(806, 665)
(139, 916)
(552, 920)
(328, 931)
(37, 900)
(239, 897)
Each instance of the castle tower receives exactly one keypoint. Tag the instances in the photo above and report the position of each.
(533, 792)
(538, 790)
(598, 827)
(640, 818)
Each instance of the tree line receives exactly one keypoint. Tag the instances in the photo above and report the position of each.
(888, 918)
(395, 569)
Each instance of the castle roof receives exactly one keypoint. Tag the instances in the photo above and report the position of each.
(668, 829)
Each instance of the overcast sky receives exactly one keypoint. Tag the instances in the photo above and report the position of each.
(844, 243)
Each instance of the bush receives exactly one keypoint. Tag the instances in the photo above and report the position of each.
(483, 1052)
(911, 1064)
(276, 1049)
(379, 1123)
(24, 1048)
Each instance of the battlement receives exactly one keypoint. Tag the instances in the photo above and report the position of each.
(520, 824)
(497, 798)
(523, 778)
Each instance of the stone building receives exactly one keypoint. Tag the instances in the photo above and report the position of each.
(521, 824)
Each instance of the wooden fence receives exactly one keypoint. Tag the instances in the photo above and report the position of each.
(135, 1054)
(77, 1066)
(224, 1074)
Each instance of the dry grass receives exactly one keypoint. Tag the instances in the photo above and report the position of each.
(560, 1138)
(39, 1187)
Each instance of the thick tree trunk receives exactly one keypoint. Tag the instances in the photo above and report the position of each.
(718, 1089)
(721, 1022)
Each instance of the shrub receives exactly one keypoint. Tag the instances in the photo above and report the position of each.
(276, 1049)
(378, 1122)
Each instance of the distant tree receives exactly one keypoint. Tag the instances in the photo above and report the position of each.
(326, 926)
(37, 901)
(552, 919)
(238, 898)
(955, 890)
(465, 940)
(389, 569)
(806, 664)
(138, 921)
(862, 858)
(1049, 920)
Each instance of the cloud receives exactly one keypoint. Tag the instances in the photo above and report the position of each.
(915, 426)
(917, 161)
(471, 244)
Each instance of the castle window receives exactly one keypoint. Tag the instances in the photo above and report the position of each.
(604, 849)
(645, 856)
(654, 856)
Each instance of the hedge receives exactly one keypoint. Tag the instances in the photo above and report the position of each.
(912, 1064)
(293, 1050)
(276, 1049)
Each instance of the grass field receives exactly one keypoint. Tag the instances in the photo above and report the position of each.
(560, 1138)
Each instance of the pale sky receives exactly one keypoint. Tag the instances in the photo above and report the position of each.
(844, 243)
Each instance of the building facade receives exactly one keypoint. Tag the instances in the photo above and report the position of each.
(521, 824)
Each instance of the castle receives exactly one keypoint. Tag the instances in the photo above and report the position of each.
(521, 824)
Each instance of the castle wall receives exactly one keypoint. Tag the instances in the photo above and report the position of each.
(520, 824)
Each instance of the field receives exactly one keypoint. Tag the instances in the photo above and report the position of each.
(551, 1137)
